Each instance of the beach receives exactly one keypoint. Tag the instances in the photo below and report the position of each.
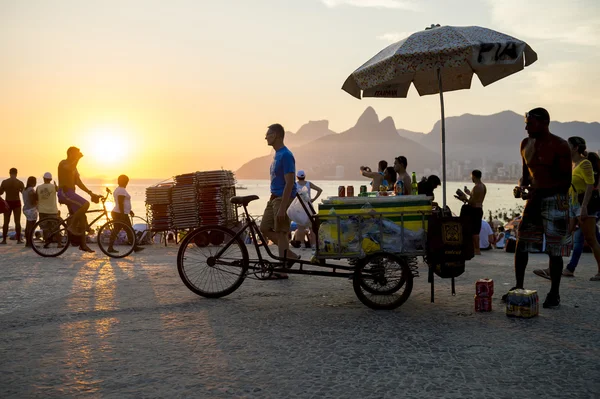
(84, 325)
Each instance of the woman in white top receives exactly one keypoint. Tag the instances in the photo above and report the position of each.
(304, 186)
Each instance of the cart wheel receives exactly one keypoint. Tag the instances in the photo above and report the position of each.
(383, 281)
(212, 271)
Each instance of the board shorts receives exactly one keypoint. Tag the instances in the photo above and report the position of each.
(547, 217)
(71, 199)
(476, 218)
(269, 220)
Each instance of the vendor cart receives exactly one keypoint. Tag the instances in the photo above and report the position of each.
(378, 239)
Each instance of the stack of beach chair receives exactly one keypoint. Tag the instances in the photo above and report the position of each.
(158, 207)
(184, 201)
(215, 189)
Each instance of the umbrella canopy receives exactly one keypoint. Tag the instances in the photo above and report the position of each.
(459, 51)
(438, 59)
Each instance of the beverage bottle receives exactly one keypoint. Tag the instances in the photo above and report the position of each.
(414, 185)
(350, 191)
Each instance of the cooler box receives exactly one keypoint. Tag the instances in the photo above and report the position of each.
(356, 226)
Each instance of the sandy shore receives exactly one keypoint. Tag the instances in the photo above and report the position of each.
(84, 325)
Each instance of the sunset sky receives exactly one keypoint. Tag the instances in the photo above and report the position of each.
(156, 88)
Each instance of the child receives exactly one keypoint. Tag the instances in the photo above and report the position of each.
(122, 210)
(30, 209)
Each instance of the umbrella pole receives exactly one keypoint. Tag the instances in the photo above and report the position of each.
(439, 73)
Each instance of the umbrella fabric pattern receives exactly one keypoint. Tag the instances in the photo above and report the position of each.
(457, 51)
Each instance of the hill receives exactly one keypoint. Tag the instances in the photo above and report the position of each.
(366, 143)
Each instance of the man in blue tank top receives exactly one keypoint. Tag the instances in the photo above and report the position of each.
(275, 223)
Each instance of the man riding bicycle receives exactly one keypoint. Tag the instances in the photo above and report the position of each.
(68, 178)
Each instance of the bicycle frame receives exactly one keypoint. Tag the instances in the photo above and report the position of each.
(103, 211)
(255, 232)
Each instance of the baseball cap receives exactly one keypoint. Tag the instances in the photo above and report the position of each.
(47, 175)
(300, 173)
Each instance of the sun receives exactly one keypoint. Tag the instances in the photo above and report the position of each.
(107, 146)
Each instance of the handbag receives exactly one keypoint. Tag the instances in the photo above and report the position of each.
(594, 204)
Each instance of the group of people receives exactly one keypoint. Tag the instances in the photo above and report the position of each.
(396, 178)
(560, 184)
(42, 201)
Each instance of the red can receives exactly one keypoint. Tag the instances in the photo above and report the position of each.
(483, 304)
(341, 191)
(484, 288)
(350, 191)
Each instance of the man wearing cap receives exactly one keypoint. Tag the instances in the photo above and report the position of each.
(305, 188)
(47, 204)
(545, 184)
(68, 178)
(275, 223)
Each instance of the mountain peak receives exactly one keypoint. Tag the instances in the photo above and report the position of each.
(368, 118)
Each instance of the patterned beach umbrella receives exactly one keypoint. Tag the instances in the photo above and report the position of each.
(439, 59)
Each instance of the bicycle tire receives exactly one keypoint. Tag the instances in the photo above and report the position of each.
(380, 295)
(121, 247)
(59, 232)
(193, 265)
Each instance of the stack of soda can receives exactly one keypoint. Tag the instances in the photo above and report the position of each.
(522, 303)
(484, 290)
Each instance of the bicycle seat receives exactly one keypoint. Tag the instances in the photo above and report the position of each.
(245, 200)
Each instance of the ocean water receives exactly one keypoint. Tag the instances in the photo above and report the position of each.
(499, 196)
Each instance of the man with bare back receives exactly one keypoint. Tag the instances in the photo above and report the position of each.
(545, 185)
(68, 178)
(475, 201)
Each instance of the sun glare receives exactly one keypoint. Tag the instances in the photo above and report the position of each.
(107, 146)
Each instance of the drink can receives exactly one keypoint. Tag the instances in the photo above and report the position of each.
(341, 191)
(483, 304)
(484, 287)
(350, 191)
(363, 189)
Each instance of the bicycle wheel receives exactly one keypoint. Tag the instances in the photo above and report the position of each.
(212, 270)
(116, 239)
(55, 239)
(383, 281)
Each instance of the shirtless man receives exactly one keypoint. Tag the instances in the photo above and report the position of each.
(377, 177)
(12, 187)
(400, 164)
(547, 179)
(475, 201)
(68, 178)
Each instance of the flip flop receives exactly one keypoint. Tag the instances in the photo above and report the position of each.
(542, 273)
(86, 249)
(595, 278)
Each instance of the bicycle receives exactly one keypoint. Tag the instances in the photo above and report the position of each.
(55, 239)
(213, 261)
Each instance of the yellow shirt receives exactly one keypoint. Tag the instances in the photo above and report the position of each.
(583, 174)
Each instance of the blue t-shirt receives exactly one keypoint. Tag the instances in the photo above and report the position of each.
(283, 163)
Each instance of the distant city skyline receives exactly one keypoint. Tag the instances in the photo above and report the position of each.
(155, 89)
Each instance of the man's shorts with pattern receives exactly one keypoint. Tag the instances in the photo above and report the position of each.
(547, 217)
